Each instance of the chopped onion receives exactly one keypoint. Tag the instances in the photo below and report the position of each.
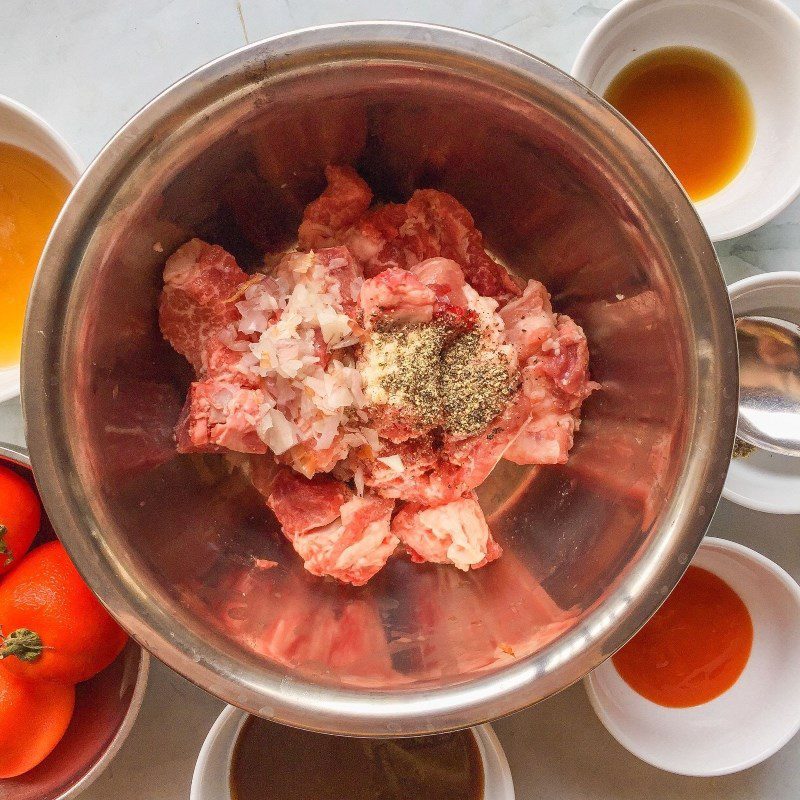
(358, 480)
(394, 463)
(281, 436)
(291, 314)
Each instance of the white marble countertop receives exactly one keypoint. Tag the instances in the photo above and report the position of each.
(87, 66)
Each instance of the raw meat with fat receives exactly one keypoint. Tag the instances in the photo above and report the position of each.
(396, 297)
(302, 504)
(391, 354)
(356, 546)
(335, 532)
(431, 224)
(220, 416)
(345, 199)
(454, 533)
(199, 280)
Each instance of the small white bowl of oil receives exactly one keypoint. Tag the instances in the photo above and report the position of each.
(715, 87)
(243, 754)
(696, 645)
(37, 171)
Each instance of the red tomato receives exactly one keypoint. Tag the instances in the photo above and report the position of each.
(33, 718)
(54, 628)
(20, 515)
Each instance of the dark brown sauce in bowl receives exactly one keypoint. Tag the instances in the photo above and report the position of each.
(273, 762)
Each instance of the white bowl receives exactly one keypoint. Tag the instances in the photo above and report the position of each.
(211, 778)
(757, 716)
(760, 39)
(766, 481)
(22, 127)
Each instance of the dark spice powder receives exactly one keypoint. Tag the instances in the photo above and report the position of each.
(460, 382)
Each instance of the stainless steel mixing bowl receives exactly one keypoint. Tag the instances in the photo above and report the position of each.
(564, 190)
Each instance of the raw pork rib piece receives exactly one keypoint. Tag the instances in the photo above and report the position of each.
(555, 376)
(396, 296)
(200, 283)
(545, 439)
(356, 546)
(529, 320)
(439, 222)
(301, 504)
(445, 277)
(333, 531)
(219, 416)
(199, 279)
(430, 224)
(345, 199)
(454, 533)
(389, 358)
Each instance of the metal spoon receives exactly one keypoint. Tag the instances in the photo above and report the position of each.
(769, 384)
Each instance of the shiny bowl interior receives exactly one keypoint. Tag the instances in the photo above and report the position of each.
(564, 190)
(105, 706)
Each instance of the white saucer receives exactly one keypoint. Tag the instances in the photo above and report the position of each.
(760, 39)
(757, 716)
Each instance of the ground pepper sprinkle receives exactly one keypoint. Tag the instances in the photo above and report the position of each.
(408, 359)
(458, 383)
(475, 384)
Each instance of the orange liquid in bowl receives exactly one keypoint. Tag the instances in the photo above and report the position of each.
(694, 109)
(695, 646)
(31, 195)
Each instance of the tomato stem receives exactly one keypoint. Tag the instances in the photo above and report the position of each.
(4, 549)
(25, 644)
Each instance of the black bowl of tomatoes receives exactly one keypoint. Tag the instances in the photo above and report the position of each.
(71, 682)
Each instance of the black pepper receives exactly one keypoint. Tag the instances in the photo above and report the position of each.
(437, 377)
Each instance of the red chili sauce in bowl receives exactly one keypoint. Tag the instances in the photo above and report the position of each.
(694, 648)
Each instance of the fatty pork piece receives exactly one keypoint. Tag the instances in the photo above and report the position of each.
(396, 297)
(454, 533)
(194, 309)
(218, 416)
(432, 290)
(335, 532)
(430, 224)
(555, 376)
(345, 199)
(430, 473)
(231, 406)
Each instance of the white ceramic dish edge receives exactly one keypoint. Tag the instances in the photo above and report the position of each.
(24, 128)
(614, 713)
